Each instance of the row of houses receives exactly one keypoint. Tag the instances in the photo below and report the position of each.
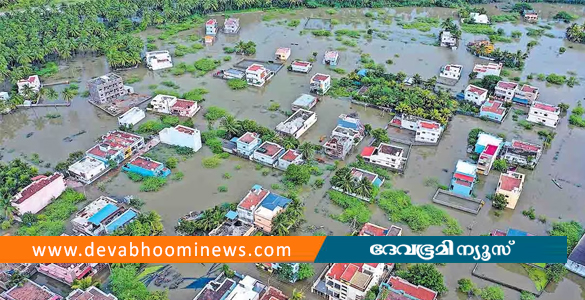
(250, 146)
(230, 26)
(426, 131)
(29, 290)
(239, 287)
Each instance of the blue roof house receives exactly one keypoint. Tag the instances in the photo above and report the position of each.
(146, 167)
(270, 207)
(463, 178)
(247, 143)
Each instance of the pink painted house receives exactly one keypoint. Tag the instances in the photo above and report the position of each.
(67, 272)
(29, 290)
(91, 293)
(39, 193)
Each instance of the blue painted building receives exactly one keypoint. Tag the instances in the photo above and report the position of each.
(493, 110)
(463, 178)
(247, 143)
(350, 122)
(146, 167)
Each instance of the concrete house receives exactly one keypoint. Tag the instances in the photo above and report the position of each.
(305, 101)
(510, 185)
(247, 143)
(297, 124)
(338, 146)
(231, 25)
(132, 117)
(370, 229)
(146, 167)
(67, 272)
(526, 94)
(426, 131)
(87, 169)
(267, 153)
(211, 27)
(530, 16)
(489, 69)
(282, 54)
(271, 206)
(91, 293)
(544, 113)
(106, 88)
(448, 39)
(451, 72)
(102, 216)
(289, 157)
(478, 18)
(493, 110)
(400, 289)
(359, 174)
(576, 261)
(34, 82)
(257, 75)
(320, 84)
(348, 281)
(463, 178)
(488, 147)
(158, 60)
(475, 94)
(116, 145)
(29, 290)
(181, 136)
(251, 202)
(386, 155)
(301, 66)
(505, 91)
(351, 122)
(522, 153)
(38, 194)
(331, 58)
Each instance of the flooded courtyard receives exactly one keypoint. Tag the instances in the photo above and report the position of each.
(411, 51)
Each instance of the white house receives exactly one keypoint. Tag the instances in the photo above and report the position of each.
(505, 90)
(428, 131)
(267, 153)
(576, 261)
(181, 136)
(132, 117)
(452, 72)
(162, 104)
(231, 25)
(489, 69)
(349, 281)
(331, 58)
(282, 53)
(297, 124)
(448, 40)
(257, 75)
(32, 81)
(87, 169)
(211, 27)
(247, 207)
(301, 66)
(475, 94)
(304, 101)
(290, 157)
(478, 18)
(544, 113)
(40, 193)
(157, 60)
(320, 84)
(386, 155)
(526, 94)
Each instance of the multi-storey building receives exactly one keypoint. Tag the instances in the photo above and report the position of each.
(510, 185)
(526, 94)
(463, 178)
(475, 94)
(448, 39)
(247, 143)
(181, 136)
(106, 88)
(349, 281)
(257, 75)
(386, 155)
(451, 72)
(248, 206)
(87, 169)
(544, 113)
(489, 69)
(102, 216)
(268, 153)
(505, 90)
(522, 153)
(320, 84)
(269, 208)
(158, 60)
(297, 124)
(231, 25)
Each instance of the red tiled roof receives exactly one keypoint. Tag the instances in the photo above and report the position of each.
(273, 294)
(182, 104)
(320, 77)
(282, 50)
(493, 106)
(419, 292)
(528, 88)
(463, 177)
(508, 182)
(145, 163)
(372, 230)
(368, 151)
(255, 67)
(253, 198)
(290, 155)
(301, 63)
(99, 153)
(525, 146)
(356, 173)
(29, 291)
(185, 129)
(545, 106)
(120, 139)
(396, 121)
(271, 149)
(248, 137)
(36, 186)
(507, 85)
(476, 90)
(338, 269)
(490, 149)
(429, 125)
(210, 22)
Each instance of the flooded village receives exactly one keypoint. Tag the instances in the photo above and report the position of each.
(429, 172)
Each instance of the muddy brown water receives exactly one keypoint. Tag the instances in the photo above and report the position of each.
(412, 52)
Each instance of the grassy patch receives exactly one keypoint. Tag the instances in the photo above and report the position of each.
(478, 29)
(537, 275)
(237, 84)
(355, 210)
(321, 32)
(422, 24)
(505, 18)
(350, 33)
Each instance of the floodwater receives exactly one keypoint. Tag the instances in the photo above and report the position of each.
(411, 51)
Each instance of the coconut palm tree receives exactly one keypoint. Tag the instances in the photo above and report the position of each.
(68, 95)
(7, 209)
(231, 126)
(364, 188)
(28, 92)
(51, 94)
(290, 142)
(343, 180)
(297, 295)
(307, 150)
(84, 283)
